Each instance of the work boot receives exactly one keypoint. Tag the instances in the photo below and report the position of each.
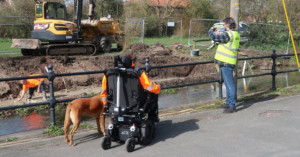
(224, 106)
(229, 110)
(44, 95)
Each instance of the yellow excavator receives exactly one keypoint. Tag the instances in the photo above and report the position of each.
(53, 34)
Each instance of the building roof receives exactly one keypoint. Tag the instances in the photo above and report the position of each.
(173, 3)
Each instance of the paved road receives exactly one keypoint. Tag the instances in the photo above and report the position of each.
(266, 129)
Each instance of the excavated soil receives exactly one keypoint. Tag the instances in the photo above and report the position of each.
(75, 85)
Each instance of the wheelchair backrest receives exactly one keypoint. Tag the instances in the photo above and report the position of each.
(131, 96)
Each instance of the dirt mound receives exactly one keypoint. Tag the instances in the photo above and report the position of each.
(158, 55)
(150, 51)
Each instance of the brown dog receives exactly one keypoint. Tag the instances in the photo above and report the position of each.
(83, 106)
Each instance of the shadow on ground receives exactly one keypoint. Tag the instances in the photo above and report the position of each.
(244, 103)
(87, 138)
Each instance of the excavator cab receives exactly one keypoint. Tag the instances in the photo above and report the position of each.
(50, 10)
(51, 24)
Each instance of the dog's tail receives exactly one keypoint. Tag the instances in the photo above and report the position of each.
(67, 122)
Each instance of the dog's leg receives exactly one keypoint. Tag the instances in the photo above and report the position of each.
(75, 126)
(66, 131)
(67, 123)
(103, 124)
(98, 124)
(76, 118)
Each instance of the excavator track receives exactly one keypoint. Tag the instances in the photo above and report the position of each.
(70, 49)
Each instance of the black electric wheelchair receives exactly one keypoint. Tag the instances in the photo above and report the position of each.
(128, 105)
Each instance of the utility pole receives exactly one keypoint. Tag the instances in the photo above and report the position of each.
(234, 13)
(235, 10)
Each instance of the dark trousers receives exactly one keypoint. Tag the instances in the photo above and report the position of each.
(42, 88)
(31, 90)
(153, 114)
(152, 107)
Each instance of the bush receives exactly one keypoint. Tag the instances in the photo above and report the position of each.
(267, 36)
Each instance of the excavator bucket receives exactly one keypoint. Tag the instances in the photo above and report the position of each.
(26, 43)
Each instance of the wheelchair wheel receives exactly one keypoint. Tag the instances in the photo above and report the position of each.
(147, 132)
(130, 144)
(106, 143)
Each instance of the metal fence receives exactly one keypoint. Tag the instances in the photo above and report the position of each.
(51, 76)
(166, 31)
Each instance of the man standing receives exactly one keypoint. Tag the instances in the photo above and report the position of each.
(226, 57)
(32, 85)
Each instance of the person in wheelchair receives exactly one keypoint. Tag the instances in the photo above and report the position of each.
(147, 84)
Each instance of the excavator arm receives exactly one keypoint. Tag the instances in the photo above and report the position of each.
(78, 11)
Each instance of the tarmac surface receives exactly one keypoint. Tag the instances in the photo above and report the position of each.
(268, 128)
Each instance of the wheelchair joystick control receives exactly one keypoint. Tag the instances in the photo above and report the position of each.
(110, 126)
(132, 128)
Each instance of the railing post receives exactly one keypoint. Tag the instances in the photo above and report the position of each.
(274, 73)
(220, 85)
(51, 77)
(147, 65)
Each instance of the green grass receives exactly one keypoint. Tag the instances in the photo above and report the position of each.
(86, 126)
(54, 130)
(6, 51)
(5, 46)
(168, 91)
(10, 139)
(10, 55)
(163, 40)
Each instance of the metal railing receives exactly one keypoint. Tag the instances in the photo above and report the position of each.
(51, 76)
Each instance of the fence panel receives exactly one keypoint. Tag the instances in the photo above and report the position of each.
(134, 29)
(198, 29)
(151, 30)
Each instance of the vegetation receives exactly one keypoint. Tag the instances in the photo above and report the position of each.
(10, 139)
(169, 91)
(86, 126)
(54, 130)
(6, 51)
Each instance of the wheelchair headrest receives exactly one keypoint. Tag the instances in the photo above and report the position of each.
(122, 61)
(126, 61)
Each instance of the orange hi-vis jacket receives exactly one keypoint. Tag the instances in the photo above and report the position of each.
(144, 80)
(31, 83)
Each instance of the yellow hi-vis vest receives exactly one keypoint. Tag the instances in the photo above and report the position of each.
(227, 53)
